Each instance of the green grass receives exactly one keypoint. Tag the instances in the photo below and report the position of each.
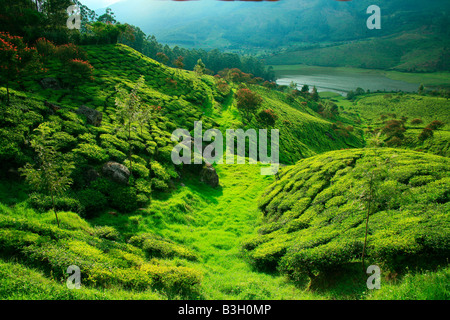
(214, 222)
(417, 286)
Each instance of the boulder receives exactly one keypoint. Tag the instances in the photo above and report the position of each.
(50, 83)
(93, 116)
(116, 172)
(209, 175)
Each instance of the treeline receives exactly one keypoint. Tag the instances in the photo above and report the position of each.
(35, 19)
(214, 60)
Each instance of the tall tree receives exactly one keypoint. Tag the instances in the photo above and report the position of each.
(199, 67)
(130, 110)
(51, 173)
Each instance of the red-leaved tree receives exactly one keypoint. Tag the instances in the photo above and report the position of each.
(248, 103)
(79, 71)
(267, 117)
(16, 58)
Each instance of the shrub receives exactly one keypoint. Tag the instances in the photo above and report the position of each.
(435, 125)
(156, 246)
(68, 52)
(159, 184)
(159, 171)
(93, 201)
(45, 48)
(106, 232)
(92, 153)
(426, 133)
(62, 203)
(175, 281)
(324, 258)
(124, 199)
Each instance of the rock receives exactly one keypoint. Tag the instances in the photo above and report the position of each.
(93, 116)
(116, 172)
(209, 175)
(50, 83)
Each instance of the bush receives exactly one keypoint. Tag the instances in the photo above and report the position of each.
(175, 281)
(416, 121)
(93, 201)
(92, 153)
(106, 232)
(68, 52)
(156, 246)
(159, 184)
(62, 203)
(124, 199)
(324, 258)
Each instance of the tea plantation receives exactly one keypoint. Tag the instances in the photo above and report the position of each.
(165, 234)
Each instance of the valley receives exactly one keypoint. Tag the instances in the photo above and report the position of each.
(89, 120)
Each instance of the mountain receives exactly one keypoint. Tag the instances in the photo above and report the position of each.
(271, 25)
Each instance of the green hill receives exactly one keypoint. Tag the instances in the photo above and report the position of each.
(136, 240)
(410, 51)
(315, 215)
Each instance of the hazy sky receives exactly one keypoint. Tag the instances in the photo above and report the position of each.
(97, 4)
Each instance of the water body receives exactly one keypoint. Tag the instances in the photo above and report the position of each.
(342, 80)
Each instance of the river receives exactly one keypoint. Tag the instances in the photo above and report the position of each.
(341, 80)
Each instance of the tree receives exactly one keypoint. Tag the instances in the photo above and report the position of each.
(293, 85)
(55, 12)
(145, 114)
(425, 134)
(305, 90)
(107, 33)
(267, 117)
(46, 49)
(314, 94)
(179, 62)
(394, 128)
(108, 17)
(79, 71)
(15, 59)
(51, 175)
(421, 89)
(162, 57)
(130, 110)
(199, 67)
(248, 103)
(436, 125)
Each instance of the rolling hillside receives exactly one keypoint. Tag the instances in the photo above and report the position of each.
(124, 237)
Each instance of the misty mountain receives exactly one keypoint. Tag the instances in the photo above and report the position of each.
(271, 25)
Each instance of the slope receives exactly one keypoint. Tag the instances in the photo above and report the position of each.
(316, 213)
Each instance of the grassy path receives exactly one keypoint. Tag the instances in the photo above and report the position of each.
(226, 216)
